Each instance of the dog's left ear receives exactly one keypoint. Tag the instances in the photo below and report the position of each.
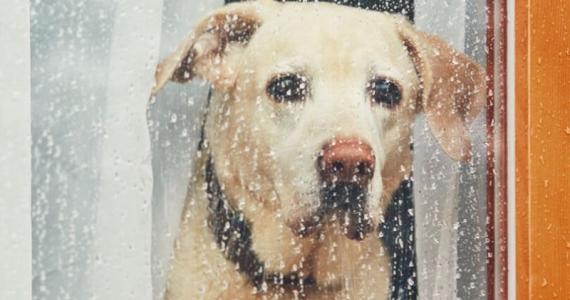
(212, 47)
(453, 89)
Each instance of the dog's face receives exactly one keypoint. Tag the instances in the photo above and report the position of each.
(314, 104)
(306, 88)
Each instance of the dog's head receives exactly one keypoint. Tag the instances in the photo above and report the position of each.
(313, 106)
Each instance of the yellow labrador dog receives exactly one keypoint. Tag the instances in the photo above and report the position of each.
(306, 138)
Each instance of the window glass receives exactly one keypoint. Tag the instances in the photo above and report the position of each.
(348, 149)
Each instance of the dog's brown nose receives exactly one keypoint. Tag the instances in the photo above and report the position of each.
(347, 160)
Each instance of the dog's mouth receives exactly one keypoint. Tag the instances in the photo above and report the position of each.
(343, 205)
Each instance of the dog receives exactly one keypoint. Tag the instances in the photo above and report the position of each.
(307, 135)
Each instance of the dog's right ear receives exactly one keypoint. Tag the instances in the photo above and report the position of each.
(453, 88)
(208, 51)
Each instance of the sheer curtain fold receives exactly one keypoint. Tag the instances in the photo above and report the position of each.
(435, 174)
(175, 120)
(444, 189)
(120, 265)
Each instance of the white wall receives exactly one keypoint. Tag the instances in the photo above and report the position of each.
(15, 169)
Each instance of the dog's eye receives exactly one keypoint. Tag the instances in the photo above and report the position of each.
(288, 87)
(384, 91)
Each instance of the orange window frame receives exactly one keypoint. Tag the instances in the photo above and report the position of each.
(542, 156)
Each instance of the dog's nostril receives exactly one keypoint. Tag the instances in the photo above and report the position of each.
(365, 169)
(337, 166)
(362, 169)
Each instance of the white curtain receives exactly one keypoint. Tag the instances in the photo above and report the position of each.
(174, 123)
(122, 241)
(435, 174)
(444, 190)
(92, 70)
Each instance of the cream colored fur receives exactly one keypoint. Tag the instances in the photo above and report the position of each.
(265, 151)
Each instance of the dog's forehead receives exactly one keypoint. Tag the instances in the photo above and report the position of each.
(326, 37)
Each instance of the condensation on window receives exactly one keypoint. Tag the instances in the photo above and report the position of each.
(279, 150)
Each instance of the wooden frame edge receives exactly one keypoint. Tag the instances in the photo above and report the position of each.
(497, 279)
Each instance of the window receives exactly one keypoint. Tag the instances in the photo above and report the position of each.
(335, 141)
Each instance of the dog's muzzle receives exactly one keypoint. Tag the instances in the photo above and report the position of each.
(346, 203)
(346, 167)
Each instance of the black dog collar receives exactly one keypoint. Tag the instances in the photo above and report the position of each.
(232, 232)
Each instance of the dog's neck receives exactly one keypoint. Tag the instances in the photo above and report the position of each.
(232, 232)
(233, 235)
